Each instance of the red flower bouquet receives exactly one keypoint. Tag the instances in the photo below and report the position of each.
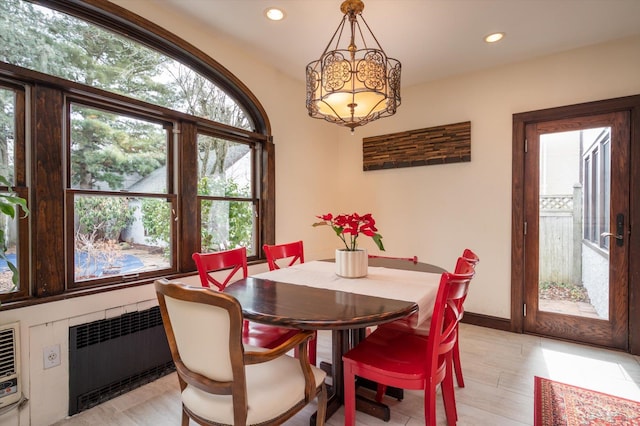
(349, 226)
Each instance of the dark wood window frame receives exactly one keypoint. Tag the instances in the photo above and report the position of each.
(72, 191)
(629, 103)
(19, 186)
(43, 276)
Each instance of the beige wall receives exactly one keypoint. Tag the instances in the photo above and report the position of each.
(433, 212)
(437, 211)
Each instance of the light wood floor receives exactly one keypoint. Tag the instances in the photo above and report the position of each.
(498, 368)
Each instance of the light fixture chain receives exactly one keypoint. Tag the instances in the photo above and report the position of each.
(370, 32)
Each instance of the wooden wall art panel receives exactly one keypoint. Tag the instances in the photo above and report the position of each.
(450, 143)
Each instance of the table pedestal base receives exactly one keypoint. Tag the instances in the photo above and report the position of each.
(373, 408)
(363, 404)
(342, 341)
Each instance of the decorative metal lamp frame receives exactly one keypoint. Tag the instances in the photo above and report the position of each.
(353, 86)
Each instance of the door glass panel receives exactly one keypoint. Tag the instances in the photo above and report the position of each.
(575, 188)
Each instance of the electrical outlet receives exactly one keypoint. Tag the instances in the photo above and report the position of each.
(51, 356)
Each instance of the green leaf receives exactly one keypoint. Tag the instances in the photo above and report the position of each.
(7, 209)
(8, 206)
(16, 277)
(378, 240)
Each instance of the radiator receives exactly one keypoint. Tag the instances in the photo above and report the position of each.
(110, 357)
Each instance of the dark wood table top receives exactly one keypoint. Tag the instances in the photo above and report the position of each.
(308, 308)
(298, 306)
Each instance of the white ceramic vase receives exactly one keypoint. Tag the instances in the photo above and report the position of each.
(352, 264)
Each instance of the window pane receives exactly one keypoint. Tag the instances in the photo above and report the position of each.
(606, 190)
(120, 236)
(116, 152)
(7, 132)
(594, 197)
(224, 168)
(227, 225)
(8, 260)
(54, 43)
(587, 198)
(10, 227)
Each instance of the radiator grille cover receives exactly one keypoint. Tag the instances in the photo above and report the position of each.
(96, 332)
(110, 357)
(7, 352)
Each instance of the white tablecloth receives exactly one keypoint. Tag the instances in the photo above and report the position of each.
(411, 286)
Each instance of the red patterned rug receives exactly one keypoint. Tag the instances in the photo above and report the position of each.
(559, 404)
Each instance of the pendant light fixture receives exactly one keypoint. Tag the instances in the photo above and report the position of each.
(354, 84)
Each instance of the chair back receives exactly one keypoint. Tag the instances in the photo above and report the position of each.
(233, 260)
(293, 252)
(446, 313)
(470, 256)
(208, 358)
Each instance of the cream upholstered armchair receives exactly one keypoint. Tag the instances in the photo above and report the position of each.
(223, 382)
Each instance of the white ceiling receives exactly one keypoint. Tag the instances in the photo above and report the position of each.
(432, 39)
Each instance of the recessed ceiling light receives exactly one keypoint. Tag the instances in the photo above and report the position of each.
(274, 14)
(494, 37)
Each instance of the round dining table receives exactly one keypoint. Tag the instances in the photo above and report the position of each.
(346, 314)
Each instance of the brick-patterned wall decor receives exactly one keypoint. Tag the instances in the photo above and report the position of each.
(450, 143)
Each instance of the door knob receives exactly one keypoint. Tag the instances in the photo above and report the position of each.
(619, 230)
(609, 234)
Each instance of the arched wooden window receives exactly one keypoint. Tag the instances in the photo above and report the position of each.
(144, 149)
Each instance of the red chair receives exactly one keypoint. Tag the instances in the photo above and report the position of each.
(396, 358)
(413, 259)
(254, 334)
(290, 253)
(473, 259)
(208, 263)
(470, 256)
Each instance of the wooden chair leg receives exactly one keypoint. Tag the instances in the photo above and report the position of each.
(322, 406)
(185, 418)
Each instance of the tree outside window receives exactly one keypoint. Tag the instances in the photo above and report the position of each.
(123, 183)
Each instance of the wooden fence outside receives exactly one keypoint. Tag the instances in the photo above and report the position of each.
(560, 230)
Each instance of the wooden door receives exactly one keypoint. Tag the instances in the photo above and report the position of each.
(576, 226)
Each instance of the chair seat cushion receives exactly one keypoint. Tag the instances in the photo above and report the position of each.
(391, 351)
(407, 326)
(265, 401)
(267, 336)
